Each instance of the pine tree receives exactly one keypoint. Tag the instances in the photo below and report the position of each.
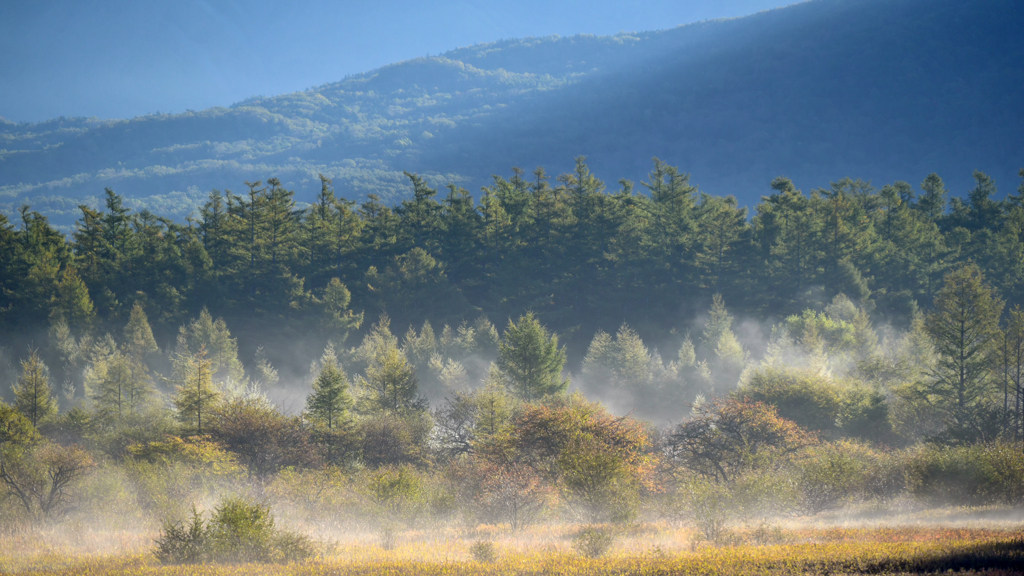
(529, 358)
(138, 336)
(965, 328)
(933, 202)
(73, 303)
(195, 397)
(330, 400)
(32, 395)
(336, 319)
(720, 224)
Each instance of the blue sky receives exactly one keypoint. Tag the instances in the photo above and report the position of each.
(119, 59)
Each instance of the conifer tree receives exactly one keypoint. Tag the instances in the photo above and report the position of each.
(933, 202)
(195, 396)
(32, 395)
(392, 382)
(330, 400)
(336, 318)
(530, 359)
(138, 335)
(1013, 369)
(718, 339)
(221, 349)
(118, 386)
(73, 302)
(965, 329)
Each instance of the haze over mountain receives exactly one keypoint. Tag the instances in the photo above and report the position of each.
(882, 90)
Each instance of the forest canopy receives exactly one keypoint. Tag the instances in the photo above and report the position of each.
(654, 348)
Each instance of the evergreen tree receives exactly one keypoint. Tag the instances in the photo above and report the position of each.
(138, 335)
(623, 362)
(330, 400)
(1013, 371)
(32, 395)
(720, 228)
(336, 318)
(73, 303)
(282, 246)
(786, 228)
(933, 202)
(530, 359)
(965, 329)
(213, 230)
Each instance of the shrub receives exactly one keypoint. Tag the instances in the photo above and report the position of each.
(389, 440)
(238, 531)
(765, 534)
(976, 474)
(832, 475)
(183, 544)
(483, 551)
(801, 395)
(709, 506)
(241, 531)
(593, 541)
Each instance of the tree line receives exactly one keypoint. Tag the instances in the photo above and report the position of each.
(483, 420)
(578, 255)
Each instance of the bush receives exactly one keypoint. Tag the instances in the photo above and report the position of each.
(389, 440)
(238, 531)
(976, 474)
(593, 541)
(801, 395)
(708, 506)
(183, 544)
(483, 551)
(832, 475)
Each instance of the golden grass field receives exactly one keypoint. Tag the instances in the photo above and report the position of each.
(640, 550)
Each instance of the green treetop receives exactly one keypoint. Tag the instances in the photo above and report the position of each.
(964, 327)
(32, 394)
(330, 400)
(530, 359)
(195, 396)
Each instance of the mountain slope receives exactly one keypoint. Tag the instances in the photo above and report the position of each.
(873, 89)
(879, 90)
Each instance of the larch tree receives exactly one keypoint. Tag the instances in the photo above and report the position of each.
(118, 386)
(32, 393)
(530, 359)
(392, 382)
(195, 396)
(214, 338)
(1013, 370)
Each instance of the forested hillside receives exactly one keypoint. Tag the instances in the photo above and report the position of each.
(880, 90)
(582, 257)
(562, 351)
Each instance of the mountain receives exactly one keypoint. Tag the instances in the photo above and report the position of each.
(881, 90)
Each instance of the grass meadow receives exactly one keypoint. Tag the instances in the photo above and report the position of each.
(961, 541)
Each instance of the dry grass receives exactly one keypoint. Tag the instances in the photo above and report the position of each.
(652, 549)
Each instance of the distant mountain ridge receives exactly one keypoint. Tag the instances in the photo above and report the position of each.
(874, 89)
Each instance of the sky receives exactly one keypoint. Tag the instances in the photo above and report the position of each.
(120, 59)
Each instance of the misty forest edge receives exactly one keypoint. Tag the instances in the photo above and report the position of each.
(874, 331)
